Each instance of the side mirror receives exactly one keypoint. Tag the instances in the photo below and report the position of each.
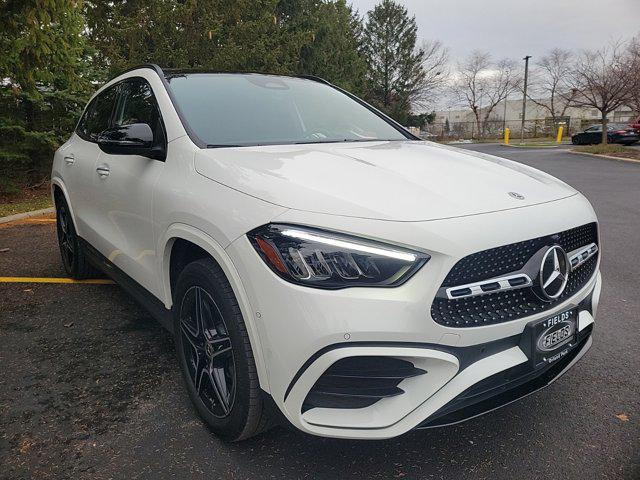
(134, 139)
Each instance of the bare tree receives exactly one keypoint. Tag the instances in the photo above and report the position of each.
(436, 73)
(503, 80)
(468, 85)
(482, 85)
(549, 83)
(633, 53)
(601, 80)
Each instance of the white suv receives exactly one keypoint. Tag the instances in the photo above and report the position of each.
(318, 263)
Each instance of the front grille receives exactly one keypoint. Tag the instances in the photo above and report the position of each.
(509, 305)
(358, 382)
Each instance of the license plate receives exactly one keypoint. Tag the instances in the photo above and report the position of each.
(554, 337)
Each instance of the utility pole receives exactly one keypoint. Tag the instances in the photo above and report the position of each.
(524, 96)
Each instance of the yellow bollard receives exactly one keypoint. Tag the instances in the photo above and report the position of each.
(506, 136)
(560, 129)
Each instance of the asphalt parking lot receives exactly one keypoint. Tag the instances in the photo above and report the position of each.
(89, 386)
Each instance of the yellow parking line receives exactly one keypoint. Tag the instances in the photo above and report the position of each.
(41, 220)
(95, 281)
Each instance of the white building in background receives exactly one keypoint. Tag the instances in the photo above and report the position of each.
(509, 114)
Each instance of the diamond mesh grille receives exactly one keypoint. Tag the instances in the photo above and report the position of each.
(509, 305)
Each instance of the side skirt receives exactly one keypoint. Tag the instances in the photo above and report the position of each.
(145, 298)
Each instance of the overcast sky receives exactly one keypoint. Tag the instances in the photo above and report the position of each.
(517, 28)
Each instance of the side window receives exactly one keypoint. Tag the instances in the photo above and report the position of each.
(97, 116)
(138, 105)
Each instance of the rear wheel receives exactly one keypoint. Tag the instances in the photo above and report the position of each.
(73, 258)
(215, 354)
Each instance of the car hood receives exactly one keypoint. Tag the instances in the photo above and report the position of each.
(399, 180)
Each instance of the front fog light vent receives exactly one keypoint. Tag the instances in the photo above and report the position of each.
(359, 382)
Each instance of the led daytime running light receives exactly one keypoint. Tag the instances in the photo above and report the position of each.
(404, 256)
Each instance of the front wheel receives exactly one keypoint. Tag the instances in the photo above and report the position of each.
(215, 354)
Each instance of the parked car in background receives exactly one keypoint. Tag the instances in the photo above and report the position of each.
(616, 133)
(427, 135)
(635, 124)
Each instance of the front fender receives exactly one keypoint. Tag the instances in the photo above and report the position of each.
(212, 247)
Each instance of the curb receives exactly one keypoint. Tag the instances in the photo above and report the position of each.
(22, 216)
(529, 146)
(610, 157)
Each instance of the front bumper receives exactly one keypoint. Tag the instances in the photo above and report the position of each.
(304, 331)
(460, 384)
(508, 386)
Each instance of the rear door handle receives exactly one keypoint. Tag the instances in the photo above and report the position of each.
(69, 159)
(103, 171)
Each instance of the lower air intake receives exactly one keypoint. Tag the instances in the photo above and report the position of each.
(359, 382)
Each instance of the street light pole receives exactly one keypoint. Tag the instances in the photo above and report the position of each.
(524, 96)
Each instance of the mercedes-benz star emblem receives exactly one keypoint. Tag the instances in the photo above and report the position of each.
(516, 195)
(554, 273)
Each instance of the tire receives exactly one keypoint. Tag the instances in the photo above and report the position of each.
(575, 141)
(214, 353)
(73, 256)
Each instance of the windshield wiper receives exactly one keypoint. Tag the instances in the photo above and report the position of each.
(344, 140)
(305, 142)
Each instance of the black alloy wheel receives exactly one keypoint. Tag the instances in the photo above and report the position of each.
(208, 351)
(215, 353)
(66, 237)
(73, 256)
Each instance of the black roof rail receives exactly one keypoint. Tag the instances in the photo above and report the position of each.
(151, 66)
(315, 78)
(180, 71)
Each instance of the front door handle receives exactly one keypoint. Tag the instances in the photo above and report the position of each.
(103, 171)
(69, 159)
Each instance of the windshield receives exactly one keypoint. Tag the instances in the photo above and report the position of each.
(226, 110)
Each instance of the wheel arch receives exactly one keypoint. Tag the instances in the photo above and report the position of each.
(58, 188)
(178, 234)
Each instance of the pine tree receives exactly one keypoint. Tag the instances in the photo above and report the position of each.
(315, 37)
(218, 35)
(331, 35)
(394, 62)
(45, 85)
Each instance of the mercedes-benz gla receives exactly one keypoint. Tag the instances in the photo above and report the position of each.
(316, 262)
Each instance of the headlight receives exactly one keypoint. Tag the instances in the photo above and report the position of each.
(316, 258)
